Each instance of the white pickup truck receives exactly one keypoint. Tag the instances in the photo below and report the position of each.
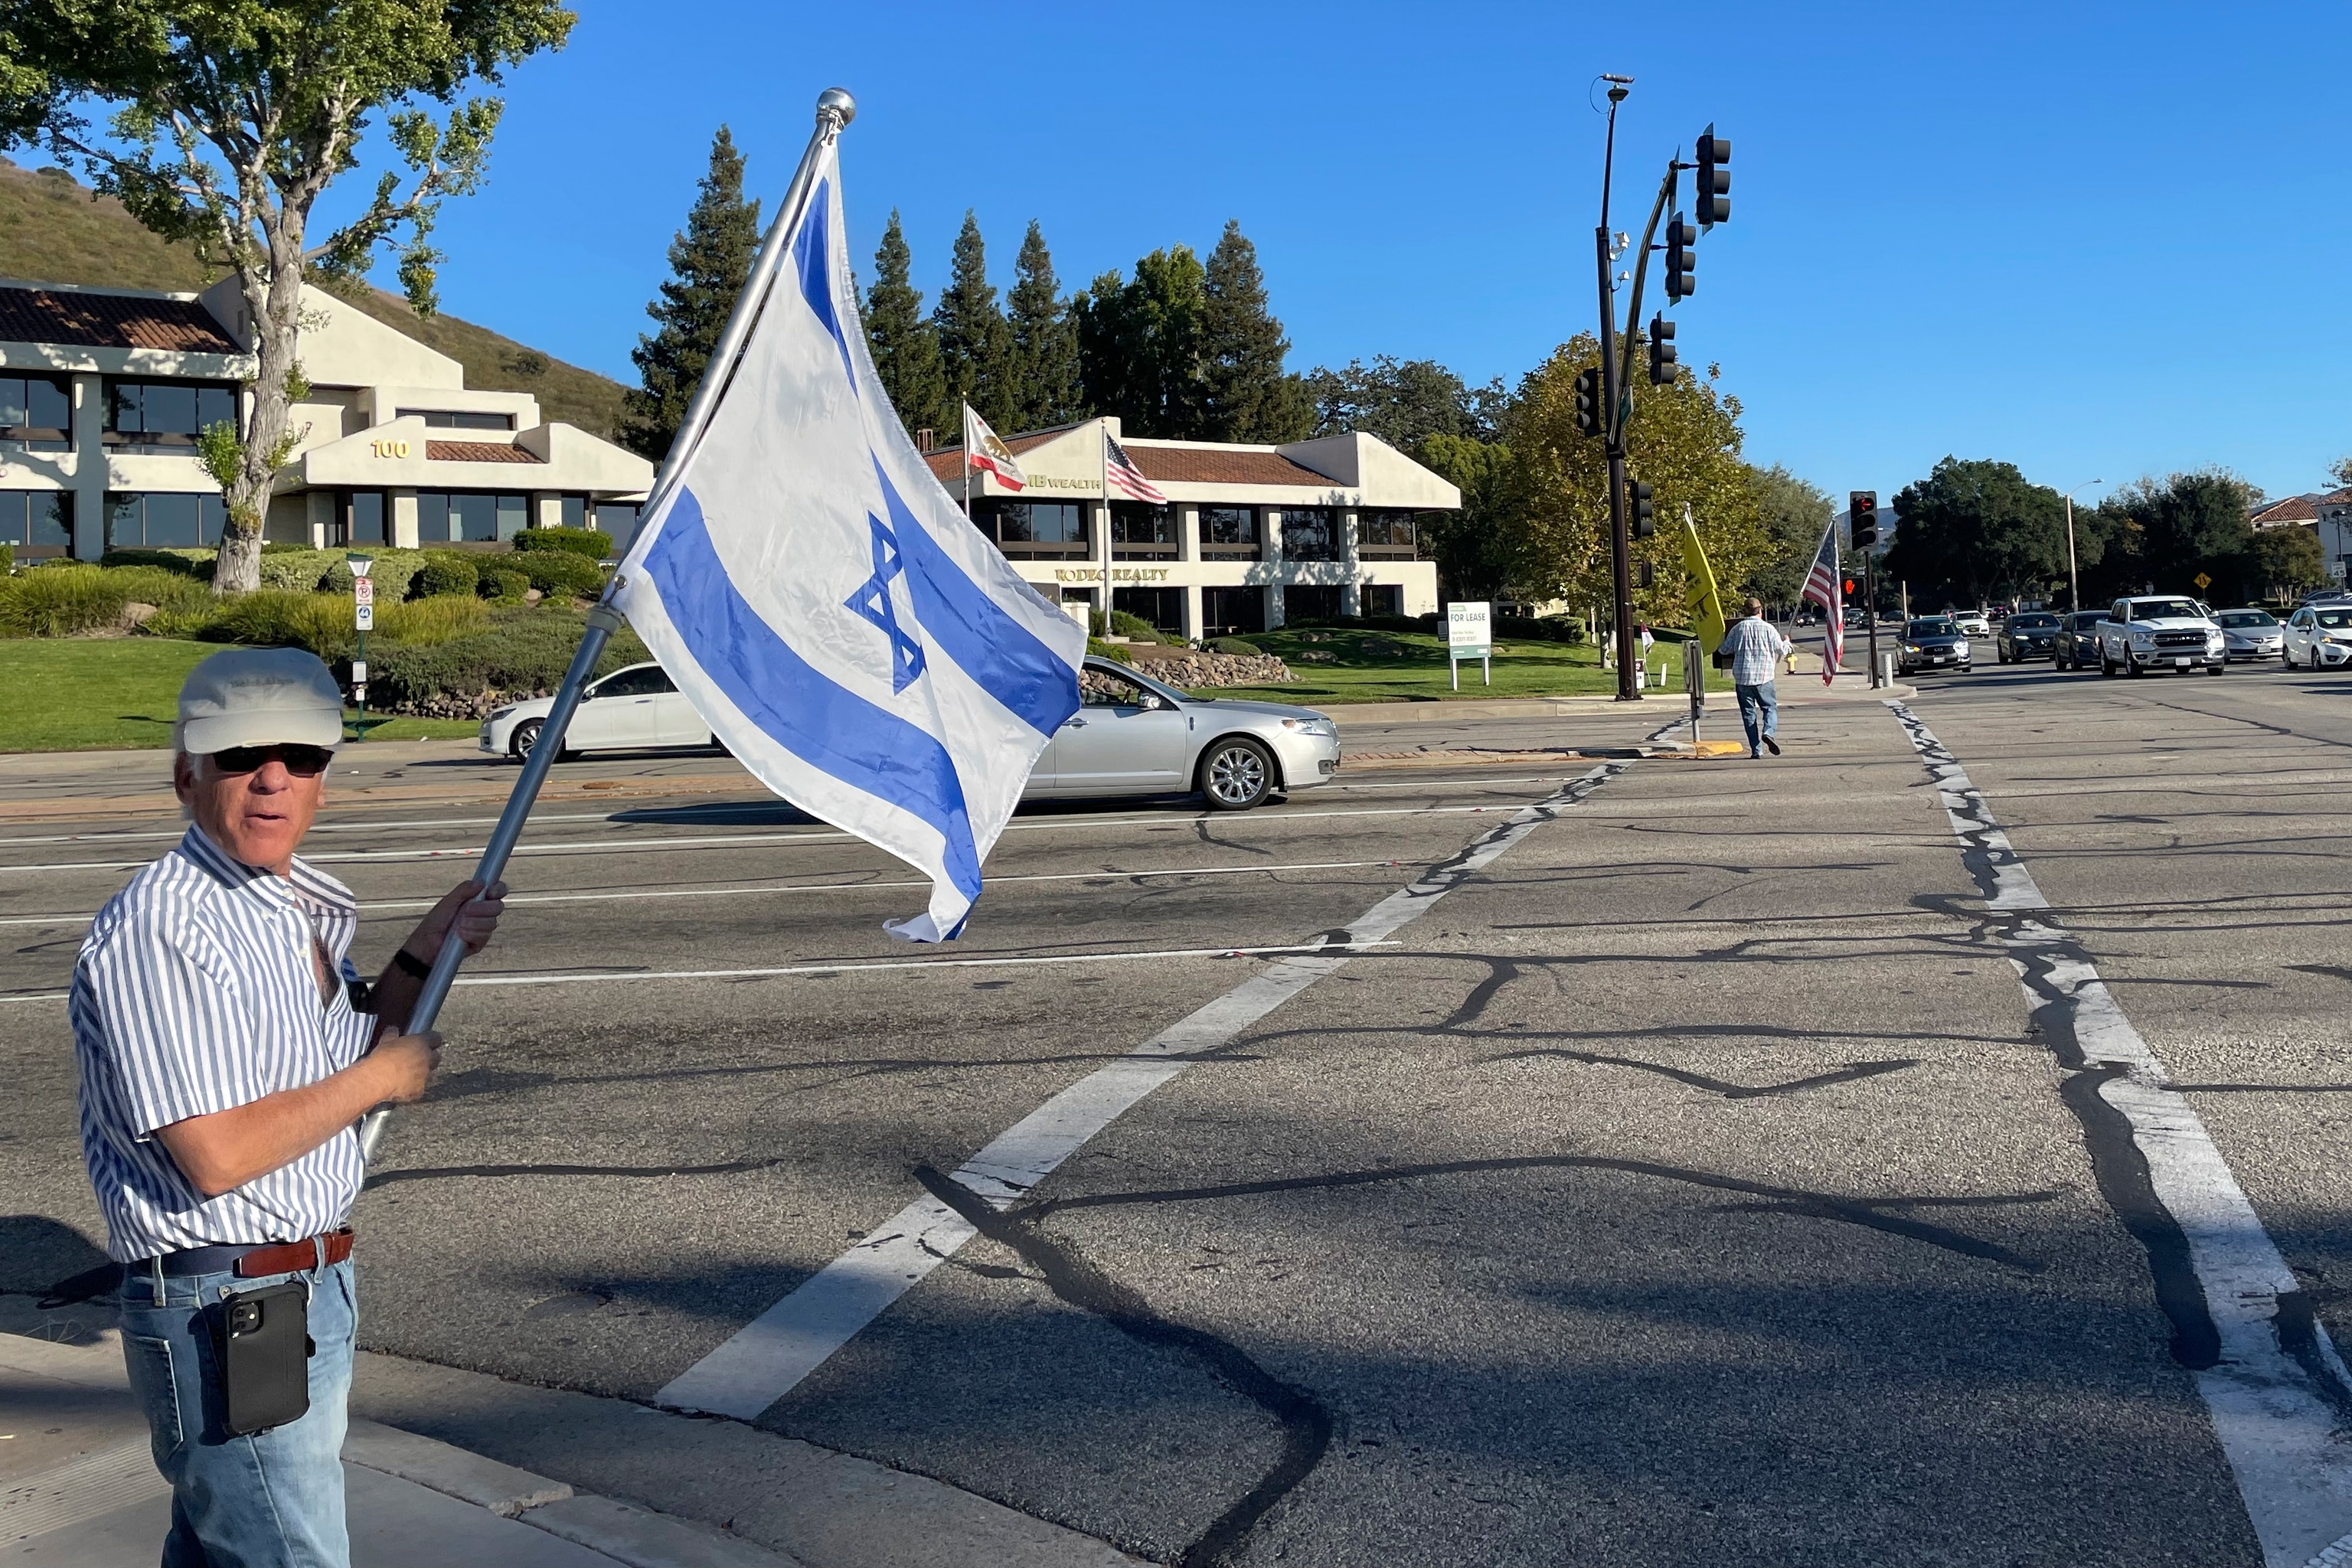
(2159, 631)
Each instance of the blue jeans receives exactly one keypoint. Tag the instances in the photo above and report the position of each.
(274, 1498)
(1755, 701)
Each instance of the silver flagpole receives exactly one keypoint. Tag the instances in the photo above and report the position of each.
(834, 109)
(967, 462)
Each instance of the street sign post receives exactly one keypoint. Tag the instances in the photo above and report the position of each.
(364, 618)
(2203, 582)
(1469, 634)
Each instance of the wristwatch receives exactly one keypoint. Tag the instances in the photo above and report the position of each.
(409, 964)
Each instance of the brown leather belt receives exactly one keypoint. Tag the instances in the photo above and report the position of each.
(264, 1257)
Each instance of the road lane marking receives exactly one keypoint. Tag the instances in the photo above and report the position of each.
(2270, 1399)
(388, 905)
(852, 966)
(736, 840)
(765, 1359)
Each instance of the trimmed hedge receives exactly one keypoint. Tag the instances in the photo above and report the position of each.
(522, 653)
(1242, 646)
(1110, 650)
(497, 582)
(593, 543)
(443, 573)
(59, 601)
(279, 617)
(559, 573)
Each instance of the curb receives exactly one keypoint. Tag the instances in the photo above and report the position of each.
(637, 1537)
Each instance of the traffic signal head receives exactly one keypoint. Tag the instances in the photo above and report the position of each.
(1643, 509)
(1645, 575)
(1714, 181)
(1852, 587)
(1681, 258)
(1861, 516)
(1662, 352)
(1588, 403)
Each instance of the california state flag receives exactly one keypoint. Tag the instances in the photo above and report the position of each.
(983, 451)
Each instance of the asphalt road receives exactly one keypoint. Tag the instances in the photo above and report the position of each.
(1690, 1184)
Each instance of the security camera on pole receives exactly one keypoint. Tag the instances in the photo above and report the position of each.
(1604, 401)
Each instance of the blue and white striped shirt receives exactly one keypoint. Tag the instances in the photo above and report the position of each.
(197, 992)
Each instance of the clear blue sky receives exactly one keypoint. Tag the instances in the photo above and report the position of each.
(2088, 238)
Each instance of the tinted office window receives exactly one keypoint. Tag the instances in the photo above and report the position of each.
(364, 520)
(619, 518)
(1230, 526)
(1385, 529)
(1060, 522)
(1163, 607)
(1138, 523)
(1228, 611)
(38, 520)
(166, 415)
(165, 521)
(1382, 599)
(1319, 601)
(459, 419)
(1310, 533)
(37, 410)
(469, 517)
(575, 511)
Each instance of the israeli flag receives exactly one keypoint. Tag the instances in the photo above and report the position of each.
(810, 586)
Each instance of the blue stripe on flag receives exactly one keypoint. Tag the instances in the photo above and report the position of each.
(971, 628)
(812, 250)
(814, 718)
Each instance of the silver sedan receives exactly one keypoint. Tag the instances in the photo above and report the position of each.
(1130, 736)
(2250, 634)
(1134, 736)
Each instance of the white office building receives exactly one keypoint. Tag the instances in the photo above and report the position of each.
(1250, 536)
(102, 393)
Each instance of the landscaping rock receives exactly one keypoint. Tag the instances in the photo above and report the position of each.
(1193, 667)
(136, 615)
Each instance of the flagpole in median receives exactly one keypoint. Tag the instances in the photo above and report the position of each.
(834, 109)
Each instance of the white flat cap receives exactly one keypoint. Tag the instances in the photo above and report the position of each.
(259, 697)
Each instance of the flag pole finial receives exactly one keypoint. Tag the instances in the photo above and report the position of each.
(836, 101)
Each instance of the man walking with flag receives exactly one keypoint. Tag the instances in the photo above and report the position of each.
(1756, 646)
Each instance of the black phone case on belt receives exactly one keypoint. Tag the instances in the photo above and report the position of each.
(264, 1338)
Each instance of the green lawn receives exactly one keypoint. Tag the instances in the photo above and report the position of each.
(1403, 667)
(82, 694)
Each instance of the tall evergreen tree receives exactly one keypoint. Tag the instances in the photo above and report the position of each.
(906, 349)
(1044, 341)
(710, 262)
(1139, 345)
(1245, 396)
(976, 343)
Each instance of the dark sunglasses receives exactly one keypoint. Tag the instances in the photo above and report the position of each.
(302, 762)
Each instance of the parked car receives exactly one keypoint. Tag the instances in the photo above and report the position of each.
(1933, 642)
(2318, 636)
(2250, 633)
(2076, 647)
(1973, 622)
(2030, 634)
(1130, 736)
(2155, 631)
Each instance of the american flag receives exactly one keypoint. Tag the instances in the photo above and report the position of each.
(1825, 587)
(1121, 470)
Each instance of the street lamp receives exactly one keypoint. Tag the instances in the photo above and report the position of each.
(2074, 585)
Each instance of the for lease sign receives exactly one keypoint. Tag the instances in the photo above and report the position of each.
(1469, 630)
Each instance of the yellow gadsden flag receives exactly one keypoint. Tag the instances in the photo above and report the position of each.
(1708, 620)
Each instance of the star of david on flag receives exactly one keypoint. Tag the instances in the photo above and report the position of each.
(807, 583)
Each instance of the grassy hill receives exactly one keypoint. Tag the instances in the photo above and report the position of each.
(55, 229)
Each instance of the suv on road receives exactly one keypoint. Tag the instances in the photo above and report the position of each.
(2031, 634)
(1933, 642)
(2077, 645)
(2159, 631)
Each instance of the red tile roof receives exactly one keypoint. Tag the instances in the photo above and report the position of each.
(1174, 465)
(110, 321)
(477, 452)
(1222, 466)
(2294, 509)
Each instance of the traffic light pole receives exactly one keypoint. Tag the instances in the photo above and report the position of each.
(1620, 542)
(1870, 612)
